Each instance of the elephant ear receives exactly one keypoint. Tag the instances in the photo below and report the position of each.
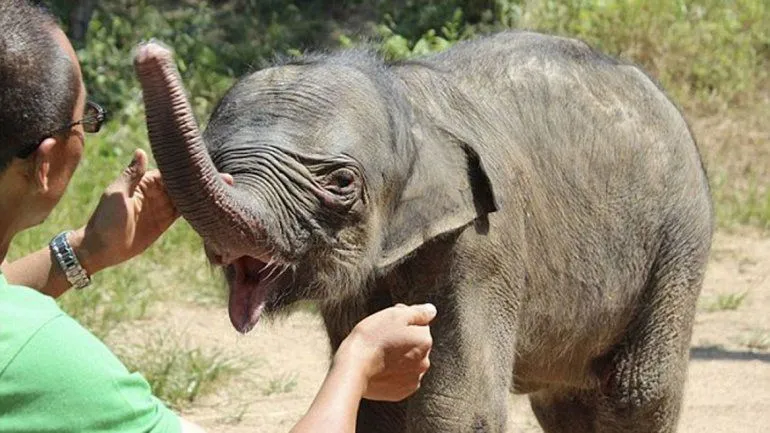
(448, 188)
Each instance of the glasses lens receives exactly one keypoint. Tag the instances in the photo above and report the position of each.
(93, 117)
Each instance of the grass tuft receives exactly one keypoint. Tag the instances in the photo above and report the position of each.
(281, 384)
(726, 302)
(177, 374)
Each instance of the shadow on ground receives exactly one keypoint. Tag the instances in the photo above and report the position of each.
(716, 353)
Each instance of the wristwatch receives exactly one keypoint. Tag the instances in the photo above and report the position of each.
(68, 261)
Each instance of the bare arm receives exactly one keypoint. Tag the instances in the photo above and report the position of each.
(132, 213)
(336, 404)
(40, 271)
(383, 358)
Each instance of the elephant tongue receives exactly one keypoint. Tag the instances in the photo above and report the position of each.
(247, 295)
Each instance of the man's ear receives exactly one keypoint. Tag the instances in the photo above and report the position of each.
(42, 158)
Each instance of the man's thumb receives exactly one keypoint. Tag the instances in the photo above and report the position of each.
(132, 174)
(421, 314)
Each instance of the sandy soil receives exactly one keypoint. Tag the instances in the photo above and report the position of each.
(728, 388)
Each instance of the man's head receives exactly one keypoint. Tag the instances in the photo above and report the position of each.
(41, 95)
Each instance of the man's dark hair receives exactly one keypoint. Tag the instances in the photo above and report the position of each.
(38, 82)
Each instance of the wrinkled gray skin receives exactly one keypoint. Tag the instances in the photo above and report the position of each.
(549, 200)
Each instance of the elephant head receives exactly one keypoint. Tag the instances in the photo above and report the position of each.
(334, 178)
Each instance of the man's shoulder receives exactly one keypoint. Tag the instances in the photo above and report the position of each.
(20, 301)
(61, 377)
(33, 322)
(23, 312)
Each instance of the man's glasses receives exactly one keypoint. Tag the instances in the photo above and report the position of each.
(92, 121)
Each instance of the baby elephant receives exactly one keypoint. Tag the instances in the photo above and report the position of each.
(549, 200)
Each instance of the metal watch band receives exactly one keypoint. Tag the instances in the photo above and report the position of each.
(68, 261)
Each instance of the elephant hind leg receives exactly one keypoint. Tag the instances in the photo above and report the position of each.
(565, 410)
(644, 390)
(644, 385)
(640, 396)
(644, 377)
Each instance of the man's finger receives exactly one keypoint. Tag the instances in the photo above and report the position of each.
(132, 175)
(420, 340)
(421, 314)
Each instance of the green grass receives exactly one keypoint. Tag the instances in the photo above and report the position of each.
(741, 205)
(711, 53)
(177, 374)
(726, 302)
(736, 148)
(280, 384)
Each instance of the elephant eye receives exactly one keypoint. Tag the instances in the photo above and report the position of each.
(341, 181)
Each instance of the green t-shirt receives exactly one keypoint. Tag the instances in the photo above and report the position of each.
(55, 376)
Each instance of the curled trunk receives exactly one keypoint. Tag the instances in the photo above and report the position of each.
(213, 208)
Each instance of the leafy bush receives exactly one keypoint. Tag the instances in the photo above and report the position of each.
(112, 34)
(708, 53)
(213, 44)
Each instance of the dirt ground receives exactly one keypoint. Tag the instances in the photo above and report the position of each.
(728, 388)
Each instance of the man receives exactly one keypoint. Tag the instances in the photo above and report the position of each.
(54, 375)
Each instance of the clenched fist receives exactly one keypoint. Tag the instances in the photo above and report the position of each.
(394, 347)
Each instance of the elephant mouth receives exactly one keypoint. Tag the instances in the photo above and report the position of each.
(249, 281)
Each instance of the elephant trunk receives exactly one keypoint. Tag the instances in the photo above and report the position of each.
(211, 206)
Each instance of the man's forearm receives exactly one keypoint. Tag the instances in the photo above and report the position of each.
(40, 271)
(336, 405)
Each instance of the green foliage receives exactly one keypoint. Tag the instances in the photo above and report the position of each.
(395, 46)
(705, 52)
(213, 44)
(708, 53)
(414, 19)
(112, 34)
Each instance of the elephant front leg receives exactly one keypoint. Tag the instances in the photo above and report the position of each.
(466, 389)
